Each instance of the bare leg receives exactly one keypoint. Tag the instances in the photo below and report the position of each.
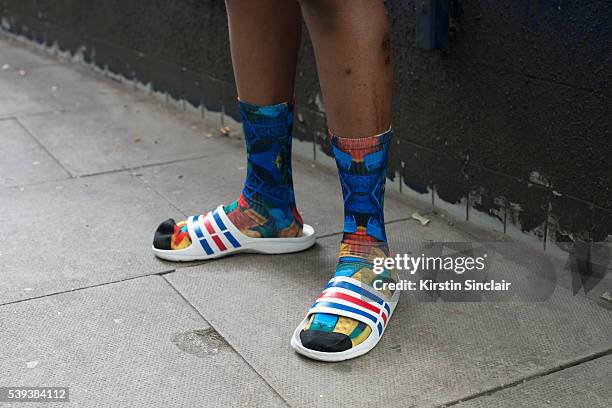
(265, 40)
(355, 63)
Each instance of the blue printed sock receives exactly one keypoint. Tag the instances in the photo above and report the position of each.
(362, 168)
(266, 207)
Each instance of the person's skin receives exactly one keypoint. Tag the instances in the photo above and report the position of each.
(264, 40)
(354, 62)
(352, 49)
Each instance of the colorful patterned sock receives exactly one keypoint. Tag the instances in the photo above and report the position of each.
(266, 208)
(362, 167)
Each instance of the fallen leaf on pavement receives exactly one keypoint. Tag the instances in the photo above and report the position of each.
(420, 218)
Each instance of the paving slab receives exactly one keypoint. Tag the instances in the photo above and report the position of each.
(76, 233)
(74, 86)
(24, 160)
(196, 186)
(54, 87)
(17, 57)
(583, 386)
(433, 353)
(129, 344)
(20, 96)
(113, 137)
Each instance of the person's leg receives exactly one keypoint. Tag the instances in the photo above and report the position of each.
(354, 62)
(355, 66)
(264, 38)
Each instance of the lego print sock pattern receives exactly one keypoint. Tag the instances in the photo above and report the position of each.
(266, 207)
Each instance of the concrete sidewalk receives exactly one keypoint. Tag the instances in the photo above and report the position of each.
(89, 168)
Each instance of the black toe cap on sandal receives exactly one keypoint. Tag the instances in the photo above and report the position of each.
(163, 234)
(328, 342)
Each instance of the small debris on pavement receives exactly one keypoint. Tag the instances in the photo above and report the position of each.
(420, 218)
(606, 296)
(209, 135)
(32, 364)
(137, 139)
(225, 131)
(54, 88)
(23, 72)
(5, 67)
(180, 176)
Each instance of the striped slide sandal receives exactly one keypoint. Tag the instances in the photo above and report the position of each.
(345, 296)
(213, 236)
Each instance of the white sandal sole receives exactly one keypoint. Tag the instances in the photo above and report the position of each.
(214, 236)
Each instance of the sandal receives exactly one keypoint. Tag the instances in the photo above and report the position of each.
(348, 297)
(213, 236)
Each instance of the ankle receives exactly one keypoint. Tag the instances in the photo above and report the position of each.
(260, 220)
(361, 245)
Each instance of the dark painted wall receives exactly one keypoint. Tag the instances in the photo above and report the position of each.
(512, 120)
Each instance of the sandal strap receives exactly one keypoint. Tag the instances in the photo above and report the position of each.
(362, 288)
(348, 297)
(214, 231)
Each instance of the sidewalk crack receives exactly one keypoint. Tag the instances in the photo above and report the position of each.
(530, 378)
(61, 292)
(42, 146)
